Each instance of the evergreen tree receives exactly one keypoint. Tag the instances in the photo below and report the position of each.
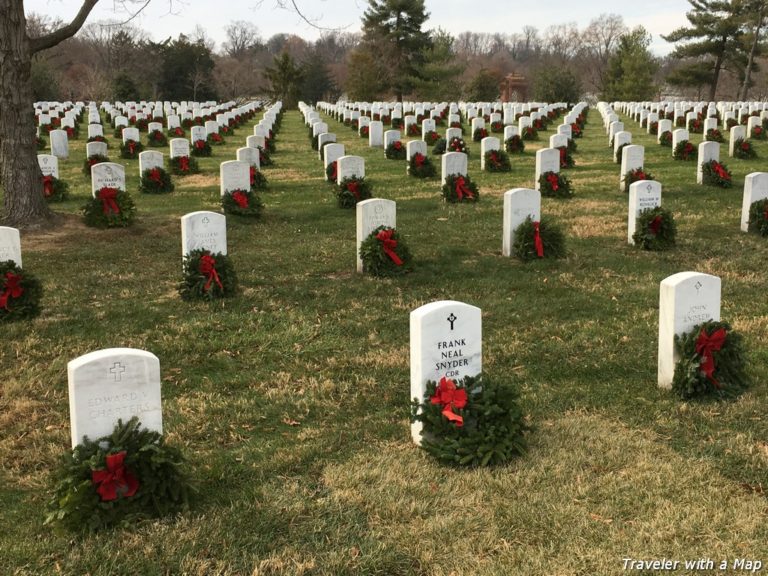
(285, 78)
(556, 84)
(484, 87)
(441, 70)
(316, 80)
(392, 33)
(187, 71)
(365, 79)
(755, 14)
(631, 69)
(711, 42)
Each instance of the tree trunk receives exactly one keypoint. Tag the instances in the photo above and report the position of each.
(23, 200)
(716, 72)
(752, 52)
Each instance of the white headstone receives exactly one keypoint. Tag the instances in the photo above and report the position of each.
(211, 127)
(95, 130)
(427, 126)
(452, 133)
(686, 299)
(331, 153)
(256, 142)
(370, 215)
(173, 121)
(249, 155)
(94, 148)
(319, 128)
(179, 147)
(131, 134)
(737, 132)
(708, 151)
(547, 160)
(509, 132)
(678, 136)
(558, 141)
(59, 143)
(486, 145)
(453, 163)
(206, 230)
(234, 175)
(643, 195)
(566, 130)
(150, 159)
(519, 204)
(375, 134)
(446, 342)
(198, 133)
(152, 126)
(107, 175)
(350, 167)
(10, 245)
(632, 158)
(391, 136)
(322, 139)
(755, 189)
(664, 126)
(49, 165)
(415, 147)
(619, 139)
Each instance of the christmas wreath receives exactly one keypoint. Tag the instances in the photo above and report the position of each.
(655, 229)
(201, 149)
(695, 126)
(758, 217)
(712, 362)
(666, 139)
(155, 181)
(620, 152)
(264, 157)
(177, 132)
(40, 143)
(571, 146)
(555, 185)
(530, 134)
(542, 239)
(439, 147)
(183, 165)
(55, 190)
(685, 151)
(421, 166)
(413, 130)
(758, 133)
(384, 253)
(207, 276)
(730, 123)
(130, 149)
(157, 139)
(141, 124)
(457, 145)
(397, 123)
(497, 127)
(92, 160)
(576, 131)
(331, 171)
(743, 149)
(111, 208)
(497, 161)
(479, 134)
(19, 293)
(635, 175)
(215, 139)
(97, 139)
(351, 191)
(364, 131)
(242, 203)
(471, 422)
(716, 174)
(459, 188)
(457, 125)
(129, 475)
(258, 180)
(714, 135)
(654, 127)
(395, 151)
(566, 158)
(514, 145)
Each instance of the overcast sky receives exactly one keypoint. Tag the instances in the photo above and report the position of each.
(456, 16)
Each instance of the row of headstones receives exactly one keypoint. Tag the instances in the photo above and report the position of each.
(445, 341)
(689, 111)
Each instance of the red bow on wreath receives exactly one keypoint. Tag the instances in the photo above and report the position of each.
(12, 289)
(462, 189)
(354, 188)
(115, 480)
(640, 175)
(108, 198)
(184, 163)
(494, 158)
(334, 170)
(208, 269)
(563, 152)
(131, 147)
(240, 199)
(389, 245)
(745, 146)
(538, 244)
(705, 345)
(554, 181)
(253, 174)
(720, 171)
(47, 185)
(199, 144)
(398, 145)
(155, 176)
(418, 159)
(450, 397)
(655, 225)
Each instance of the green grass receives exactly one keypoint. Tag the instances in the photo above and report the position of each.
(291, 400)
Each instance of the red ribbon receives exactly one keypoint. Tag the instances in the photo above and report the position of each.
(757, 130)
(494, 158)
(537, 240)
(389, 245)
(745, 146)
(184, 163)
(12, 289)
(398, 145)
(155, 176)
(131, 147)
(705, 345)
(720, 171)
(461, 188)
(418, 159)
(640, 175)
(354, 187)
(199, 144)
(334, 170)
(116, 480)
(554, 181)
(253, 175)
(178, 131)
(563, 152)
(450, 397)
(240, 199)
(216, 137)
(47, 186)
(108, 198)
(208, 268)
(655, 225)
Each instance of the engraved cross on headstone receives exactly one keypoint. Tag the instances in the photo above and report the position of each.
(452, 318)
(697, 286)
(117, 371)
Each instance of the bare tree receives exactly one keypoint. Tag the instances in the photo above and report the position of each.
(598, 42)
(242, 36)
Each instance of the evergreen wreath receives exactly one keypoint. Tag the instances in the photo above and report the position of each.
(497, 161)
(550, 242)
(685, 151)
(714, 135)
(20, 293)
(716, 174)
(242, 203)
(215, 139)
(264, 157)
(55, 190)
(566, 159)
(712, 362)
(364, 131)
(571, 146)
(758, 133)
(497, 127)
(395, 151)
(479, 134)
(258, 180)
(331, 171)
(743, 149)
(397, 123)
(184, 165)
(530, 134)
(157, 139)
(758, 217)
(155, 181)
(471, 422)
(92, 160)
(384, 253)
(555, 185)
(620, 152)
(130, 149)
(413, 130)
(457, 125)
(654, 128)
(110, 208)
(351, 191)
(655, 229)
(141, 124)
(207, 276)
(457, 145)
(635, 175)
(201, 149)
(439, 147)
(514, 145)
(40, 143)
(730, 123)
(460, 188)
(666, 139)
(576, 131)
(421, 166)
(695, 126)
(177, 132)
(130, 475)
(97, 139)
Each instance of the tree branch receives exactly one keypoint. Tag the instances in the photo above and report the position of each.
(57, 36)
